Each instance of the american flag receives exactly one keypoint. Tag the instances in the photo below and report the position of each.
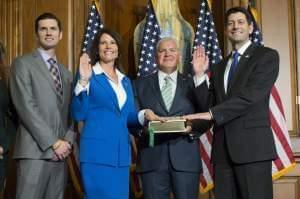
(206, 36)
(147, 63)
(146, 66)
(93, 26)
(256, 36)
(285, 160)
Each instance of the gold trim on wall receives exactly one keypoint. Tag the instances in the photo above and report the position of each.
(294, 20)
(293, 67)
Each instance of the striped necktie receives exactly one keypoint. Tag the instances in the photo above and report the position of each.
(56, 78)
(166, 92)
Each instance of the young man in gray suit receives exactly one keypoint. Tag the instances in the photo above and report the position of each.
(41, 90)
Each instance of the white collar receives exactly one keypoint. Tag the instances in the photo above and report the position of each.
(99, 70)
(244, 47)
(173, 75)
(45, 55)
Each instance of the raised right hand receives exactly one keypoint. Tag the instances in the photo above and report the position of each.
(200, 60)
(85, 68)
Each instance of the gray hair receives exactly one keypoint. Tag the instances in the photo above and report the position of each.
(166, 39)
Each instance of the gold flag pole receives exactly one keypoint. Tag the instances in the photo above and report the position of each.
(254, 12)
(209, 4)
(245, 3)
(97, 3)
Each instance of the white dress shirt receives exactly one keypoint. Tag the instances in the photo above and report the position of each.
(161, 82)
(45, 56)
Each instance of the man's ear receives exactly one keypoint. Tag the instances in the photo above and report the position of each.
(60, 35)
(251, 28)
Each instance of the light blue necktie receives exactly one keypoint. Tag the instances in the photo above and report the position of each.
(235, 60)
(166, 92)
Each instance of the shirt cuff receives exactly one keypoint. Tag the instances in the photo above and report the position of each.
(199, 79)
(141, 116)
(79, 88)
(212, 116)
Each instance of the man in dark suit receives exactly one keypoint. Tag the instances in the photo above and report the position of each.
(173, 164)
(243, 146)
(41, 90)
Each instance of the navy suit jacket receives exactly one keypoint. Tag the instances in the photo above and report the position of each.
(105, 137)
(184, 152)
(241, 115)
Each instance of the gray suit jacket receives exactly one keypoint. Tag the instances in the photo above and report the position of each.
(44, 117)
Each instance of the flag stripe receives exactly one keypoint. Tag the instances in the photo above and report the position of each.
(276, 97)
(282, 138)
(277, 118)
(285, 160)
(202, 181)
(206, 158)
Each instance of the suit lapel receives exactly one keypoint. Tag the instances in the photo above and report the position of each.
(103, 82)
(64, 79)
(156, 90)
(241, 66)
(220, 79)
(126, 86)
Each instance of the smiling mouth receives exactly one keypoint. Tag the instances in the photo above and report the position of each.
(168, 60)
(108, 52)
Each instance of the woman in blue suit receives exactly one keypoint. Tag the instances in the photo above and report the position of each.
(103, 100)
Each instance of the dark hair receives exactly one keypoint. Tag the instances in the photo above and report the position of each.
(94, 53)
(47, 15)
(236, 10)
(2, 64)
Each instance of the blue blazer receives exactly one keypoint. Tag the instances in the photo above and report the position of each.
(105, 137)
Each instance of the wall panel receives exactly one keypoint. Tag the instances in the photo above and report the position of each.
(17, 33)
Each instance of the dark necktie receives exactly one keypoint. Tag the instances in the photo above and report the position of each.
(235, 60)
(55, 75)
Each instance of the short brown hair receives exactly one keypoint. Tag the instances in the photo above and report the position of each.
(236, 10)
(47, 15)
